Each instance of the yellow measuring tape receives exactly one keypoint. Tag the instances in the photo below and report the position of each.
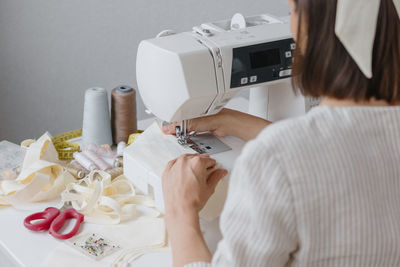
(132, 137)
(66, 149)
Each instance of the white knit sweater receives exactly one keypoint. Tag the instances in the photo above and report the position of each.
(319, 190)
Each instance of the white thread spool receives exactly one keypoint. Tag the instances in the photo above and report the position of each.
(84, 161)
(120, 148)
(100, 163)
(96, 118)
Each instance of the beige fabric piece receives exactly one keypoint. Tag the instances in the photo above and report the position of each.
(41, 178)
(105, 201)
(136, 238)
(356, 26)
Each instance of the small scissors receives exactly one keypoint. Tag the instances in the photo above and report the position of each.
(54, 219)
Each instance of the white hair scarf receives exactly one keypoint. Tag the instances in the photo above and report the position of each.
(356, 22)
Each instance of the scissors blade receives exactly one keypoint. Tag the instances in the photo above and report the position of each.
(67, 204)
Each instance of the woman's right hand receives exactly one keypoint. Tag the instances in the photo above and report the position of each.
(227, 122)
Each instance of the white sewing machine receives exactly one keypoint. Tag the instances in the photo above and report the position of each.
(193, 74)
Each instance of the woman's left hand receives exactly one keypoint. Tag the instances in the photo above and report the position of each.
(188, 183)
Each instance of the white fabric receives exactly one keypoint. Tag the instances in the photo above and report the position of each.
(41, 178)
(105, 201)
(145, 161)
(356, 26)
(319, 190)
(135, 238)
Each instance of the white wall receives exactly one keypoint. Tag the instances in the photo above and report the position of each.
(52, 50)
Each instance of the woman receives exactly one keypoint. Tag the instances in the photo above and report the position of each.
(319, 190)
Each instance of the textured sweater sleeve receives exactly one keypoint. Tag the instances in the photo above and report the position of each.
(258, 223)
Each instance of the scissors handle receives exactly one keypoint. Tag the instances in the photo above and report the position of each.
(60, 220)
(47, 216)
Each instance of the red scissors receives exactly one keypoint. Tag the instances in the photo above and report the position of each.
(53, 219)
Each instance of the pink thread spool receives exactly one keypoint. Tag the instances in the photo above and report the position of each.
(100, 163)
(100, 150)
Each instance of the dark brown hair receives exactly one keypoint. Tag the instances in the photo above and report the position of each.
(325, 68)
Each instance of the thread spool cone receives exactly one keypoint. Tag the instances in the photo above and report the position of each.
(96, 118)
(123, 113)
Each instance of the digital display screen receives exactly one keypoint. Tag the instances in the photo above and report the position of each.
(265, 58)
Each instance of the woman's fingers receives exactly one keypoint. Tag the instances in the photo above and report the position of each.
(200, 165)
(170, 164)
(215, 177)
(202, 124)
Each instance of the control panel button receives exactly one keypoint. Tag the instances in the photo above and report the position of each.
(288, 54)
(244, 80)
(284, 73)
(293, 46)
(253, 79)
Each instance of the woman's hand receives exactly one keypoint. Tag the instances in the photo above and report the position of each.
(188, 183)
(227, 122)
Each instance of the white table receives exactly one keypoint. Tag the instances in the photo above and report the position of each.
(22, 247)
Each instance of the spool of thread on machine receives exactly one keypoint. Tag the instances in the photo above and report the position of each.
(123, 113)
(96, 118)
